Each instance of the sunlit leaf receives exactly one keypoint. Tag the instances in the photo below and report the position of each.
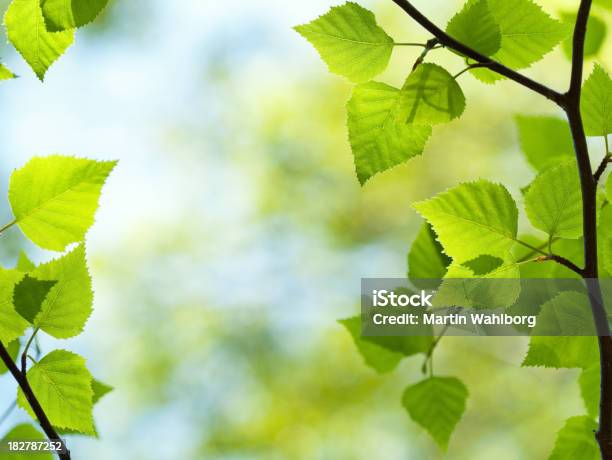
(350, 42)
(431, 96)
(475, 27)
(596, 103)
(426, 260)
(27, 32)
(62, 385)
(554, 201)
(70, 14)
(379, 138)
(562, 352)
(472, 219)
(54, 198)
(576, 440)
(68, 305)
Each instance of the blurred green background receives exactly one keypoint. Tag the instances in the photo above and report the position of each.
(234, 234)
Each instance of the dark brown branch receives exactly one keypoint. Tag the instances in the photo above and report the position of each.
(602, 168)
(563, 261)
(23, 383)
(589, 205)
(448, 41)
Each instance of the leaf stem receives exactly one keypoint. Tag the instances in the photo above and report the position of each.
(471, 66)
(423, 45)
(429, 355)
(25, 350)
(7, 226)
(533, 248)
(604, 163)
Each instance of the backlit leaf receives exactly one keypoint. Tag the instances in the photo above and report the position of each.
(62, 385)
(54, 198)
(350, 42)
(68, 304)
(554, 201)
(596, 103)
(379, 138)
(475, 27)
(431, 96)
(576, 440)
(426, 261)
(27, 32)
(70, 14)
(472, 219)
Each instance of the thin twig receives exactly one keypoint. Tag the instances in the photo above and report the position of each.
(602, 168)
(7, 226)
(563, 261)
(449, 42)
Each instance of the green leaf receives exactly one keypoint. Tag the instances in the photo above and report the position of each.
(68, 304)
(350, 42)
(589, 382)
(545, 141)
(378, 358)
(100, 389)
(609, 188)
(472, 219)
(24, 264)
(63, 386)
(24, 432)
(595, 36)
(475, 27)
(54, 198)
(6, 74)
(431, 96)
(562, 352)
(29, 296)
(13, 351)
(426, 261)
(554, 202)
(566, 314)
(436, 404)
(379, 138)
(607, 254)
(576, 440)
(70, 14)
(528, 33)
(596, 103)
(12, 325)
(604, 3)
(483, 265)
(25, 27)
